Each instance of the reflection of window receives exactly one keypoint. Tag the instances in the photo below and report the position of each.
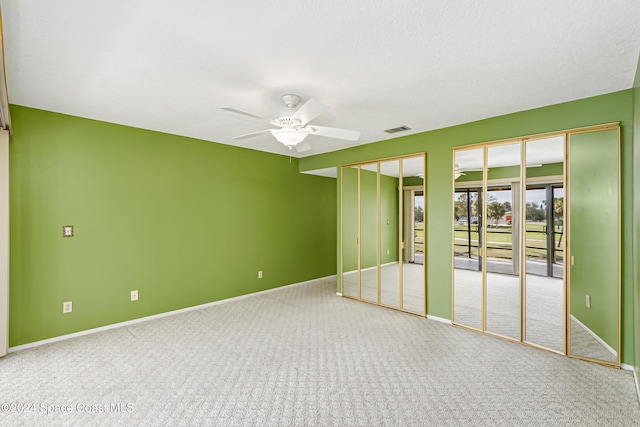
(418, 218)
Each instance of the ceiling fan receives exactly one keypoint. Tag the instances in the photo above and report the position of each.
(292, 125)
(458, 171)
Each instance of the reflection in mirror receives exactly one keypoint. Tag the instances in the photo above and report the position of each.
(467, 274)
(369, 232)
(544, 243)
(502, 240)
(350, 274)
(594, 221)
(413, 283)
(389, 264)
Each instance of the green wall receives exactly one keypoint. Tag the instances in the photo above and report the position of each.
(369, 218)
(412, 181)
(181, 220)
(438, 144)
(594, 231)
(349, 219)
(388, 213)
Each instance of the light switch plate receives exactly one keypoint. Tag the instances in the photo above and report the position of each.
(134, 295)
(67, 231)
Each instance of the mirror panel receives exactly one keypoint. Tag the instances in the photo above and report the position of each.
(502, 240)
(369, 233)
(389, 225)
(594, 224)
(413, 277)
(467, 264)
(350, 274)
(544, 243)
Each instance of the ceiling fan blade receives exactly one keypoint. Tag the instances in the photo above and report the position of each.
(303, 146)
(233, 110)
(252, 134)
(351, 135)
(309, 111)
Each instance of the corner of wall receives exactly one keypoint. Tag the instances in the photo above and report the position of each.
(636, 221)
(4, 242)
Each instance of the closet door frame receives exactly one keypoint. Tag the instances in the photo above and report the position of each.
(569, 260)
(400, 243)
(524, 181)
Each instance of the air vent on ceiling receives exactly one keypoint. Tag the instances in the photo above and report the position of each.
(398, 129)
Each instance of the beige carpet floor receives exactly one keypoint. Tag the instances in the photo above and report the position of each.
(303, 356)
(545, 322)
(413, 285)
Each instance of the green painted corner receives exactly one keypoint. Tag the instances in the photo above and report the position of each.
(636, 214)
(183, 221)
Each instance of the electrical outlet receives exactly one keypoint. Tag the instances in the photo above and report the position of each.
(134, 295)
(588, 301)
(260, 274)
(67, 307)
(387, 251)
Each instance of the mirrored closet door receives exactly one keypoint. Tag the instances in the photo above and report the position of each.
(390, 291)
(350, 227)
(468, 280)
(502, 236)
(525, 209)
(368, 233)
(383, 233)
(544, 243)
(594, 245)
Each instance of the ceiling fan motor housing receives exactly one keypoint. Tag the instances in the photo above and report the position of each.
(290, 100)
(286, 120)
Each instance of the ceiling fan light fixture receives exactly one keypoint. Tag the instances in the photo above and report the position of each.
(290, 137)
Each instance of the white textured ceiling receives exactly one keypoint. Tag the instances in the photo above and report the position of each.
(169, 66)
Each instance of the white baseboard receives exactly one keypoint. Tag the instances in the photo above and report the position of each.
(346, 273)
(158, 316)
(339, 294)
(439, 319)
(635, 376)
(595, 336)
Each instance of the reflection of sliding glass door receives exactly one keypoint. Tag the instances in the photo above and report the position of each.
(544, 255)
(502, 235)
(544, 245)
(414, 226)
(493, 233)
(468, 277)
(418, 227)
(551, 201)
(467, 228)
